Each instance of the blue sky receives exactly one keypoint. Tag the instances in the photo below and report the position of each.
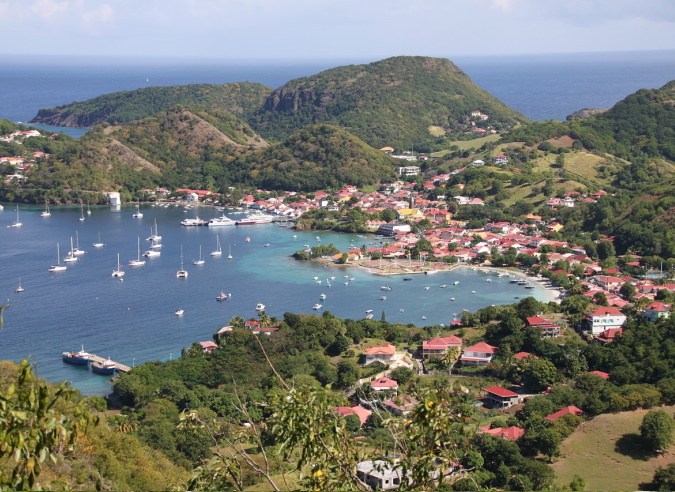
(332, 29)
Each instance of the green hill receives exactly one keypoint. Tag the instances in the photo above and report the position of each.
(319, 157)
(392, 102)
(240, 98)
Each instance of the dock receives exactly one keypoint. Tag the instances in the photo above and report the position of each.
(101, 360)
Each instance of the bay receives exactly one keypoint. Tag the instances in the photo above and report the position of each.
(133, 320)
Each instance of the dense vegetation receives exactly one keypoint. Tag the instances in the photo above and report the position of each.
(392, 102)
(240, 98)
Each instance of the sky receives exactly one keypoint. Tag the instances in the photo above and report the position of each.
(332, 29)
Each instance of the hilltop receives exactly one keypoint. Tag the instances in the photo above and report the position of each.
(240, 98)
(400, 102)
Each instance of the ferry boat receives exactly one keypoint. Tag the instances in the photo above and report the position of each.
(223, 220)
(80, 358)
(106, 367)
(255, 219)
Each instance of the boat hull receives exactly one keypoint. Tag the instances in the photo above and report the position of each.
(75, 360)
(103, 369)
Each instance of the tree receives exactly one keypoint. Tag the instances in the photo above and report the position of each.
(664, 478)
(628, 291)
(657, 429)
(539, 374)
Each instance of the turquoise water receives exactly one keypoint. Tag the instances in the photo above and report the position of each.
(133, 320)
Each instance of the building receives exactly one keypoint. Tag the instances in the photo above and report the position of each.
(358, 410)
(655, 311)
(571, 410)
(438, 347)
(379, 475)
(498, 397)
(409, 170)
(383, 353)
(548, 328)
(602, 319)
(500, 159)
(480, 354)
(208, 347)
(509, 433)
(384, 384)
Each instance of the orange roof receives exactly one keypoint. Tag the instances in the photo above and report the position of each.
(388, 349)
(565, 411)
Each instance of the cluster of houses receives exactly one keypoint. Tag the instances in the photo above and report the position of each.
(22, 164)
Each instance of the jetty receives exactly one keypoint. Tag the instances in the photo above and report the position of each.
(101, 360)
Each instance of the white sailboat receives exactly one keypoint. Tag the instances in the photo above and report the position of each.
(218, 251)
(182, 273)
(19, 288)
(200, 261)
(77, 251)
(119, 272)
(229, 252)
(88, 211)
(98, 244)
(138, 214)
(46, 212)
(70, 257)
(17, 222)
(58, 267)
(81, 211)
(137, 261)
(155, 237)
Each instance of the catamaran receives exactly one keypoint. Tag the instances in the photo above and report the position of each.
(182, 273)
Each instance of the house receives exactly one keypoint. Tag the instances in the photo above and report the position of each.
(384, 384)
(358, 410)
(480, 354)
(498, 397)
(500, 159)
(387, 150)
(379, 475)
(655, 311)
(409, 170)
(609, 335)
(224, 330)
(524, 356)
(383, 353)
(400, 405)
(512, 433)
(548, 328)
(571, 410)
(602, 319)
(439, 346)
(208, 347)
(478, 162)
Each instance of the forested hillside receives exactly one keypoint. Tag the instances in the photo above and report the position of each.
(240, 98)
(400, 102)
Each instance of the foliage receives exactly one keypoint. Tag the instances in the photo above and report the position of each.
(657, 429)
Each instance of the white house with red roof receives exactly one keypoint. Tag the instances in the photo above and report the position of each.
(655, 311)
(358, 410)
(500, 159)
(438, 346)
(480, 354)
(498, 397)
(382, 353)
(384, 384)
(603, 318)
(208, 347)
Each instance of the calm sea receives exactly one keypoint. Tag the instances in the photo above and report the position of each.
(133, 320)
(541, 87)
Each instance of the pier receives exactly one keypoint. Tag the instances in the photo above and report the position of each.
(101, 360)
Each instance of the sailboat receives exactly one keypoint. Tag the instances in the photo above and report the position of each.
(70, 257)
(155, 237)
(99, 244)
(46, 212)
(58, 267)
(81, 211)
(229, 252)
(19, 288)
(77, 251)
(182, 273)
(119, 272)
(137, 261)
(17, 222)
(138, 213)
(88, 211)
(200, 261)
(218, 251)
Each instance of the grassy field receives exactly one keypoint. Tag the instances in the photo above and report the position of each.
(607, 452)
(476, 143)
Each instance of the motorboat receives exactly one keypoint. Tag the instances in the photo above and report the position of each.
(368, 311)
(223, 220)
(370, 316)
(383, 298)
(19, 288)
(107, 367)
(444, 286)
(80, 358)
(254, 219)
(322, 296)
(193, 222)
(119, 272)
(151, 253)
(222, 297)
(58, 267)
(407, 278)
(455, 282)
(179, 312)
(260, 307)
(385, 287)
(317, 306)
(427, 288)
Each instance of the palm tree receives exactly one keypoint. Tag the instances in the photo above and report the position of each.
(263, 318)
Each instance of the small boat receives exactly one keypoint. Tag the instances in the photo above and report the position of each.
(248, 239)
(17, 222)
(322, 296)
(294, 236)
(119, 272)
(267, 245)
(58, 267)
(80, 358)
(521, 282)
(70, 257)
(424, 317)
(151, 253)
(315, 278)
(514, 280)
(455, 282)
(200, 261)
(368, 311)
(444, 286)
(383, 298)
(229, 252)
(452, 299)
(218, 251)
(46, 212)
(88, 211)
(222, 297)
(154, 236)
(107, 367)
(81, 212)
(182, 273)
(260, 307)
(407, 278)
(488, 280)
(137, 261)
(317, 306)
(528, 286)
(427, 288)
(138, 214)
(370, 316)
(473, 291)
(19, 288)
(179, 312)
(385, 287)
(98, 244)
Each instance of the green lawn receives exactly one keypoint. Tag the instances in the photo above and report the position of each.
(607, 452)
(476, 143)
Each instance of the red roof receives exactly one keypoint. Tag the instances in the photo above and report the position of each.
(499, 391)
(388, 349)
(565, 411)
(510, 434)
(384, 382)
(481, 347)
(358, 410)
(606, 311)
(524, 355)
(441, 343)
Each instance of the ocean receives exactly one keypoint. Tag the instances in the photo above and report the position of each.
(542, 87)
(134, 320)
